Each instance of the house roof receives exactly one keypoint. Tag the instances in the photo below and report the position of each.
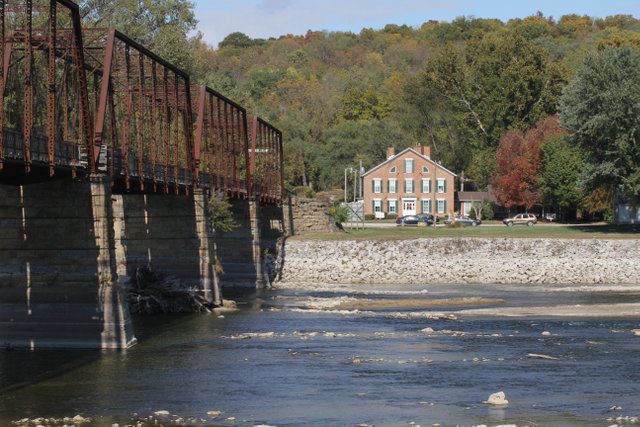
(406, 150)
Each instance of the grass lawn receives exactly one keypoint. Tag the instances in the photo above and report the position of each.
(538, 231)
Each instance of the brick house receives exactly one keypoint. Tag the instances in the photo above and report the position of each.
(408, 183)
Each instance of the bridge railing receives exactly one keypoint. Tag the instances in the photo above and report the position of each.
(96, 101)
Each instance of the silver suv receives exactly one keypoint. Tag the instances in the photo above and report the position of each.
(521, 219)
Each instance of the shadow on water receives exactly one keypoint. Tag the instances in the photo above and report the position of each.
(21, 368)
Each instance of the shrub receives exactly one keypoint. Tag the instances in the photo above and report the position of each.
(221, 214)
(302, 190)
(454, 224)
(339, 213)
(369, 217)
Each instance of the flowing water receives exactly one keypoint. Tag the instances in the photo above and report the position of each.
(277, 363)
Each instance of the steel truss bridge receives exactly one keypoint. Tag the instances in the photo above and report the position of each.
(79, 101)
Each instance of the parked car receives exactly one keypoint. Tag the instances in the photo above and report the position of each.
(417, 220)
(464, 220)
(521, 219)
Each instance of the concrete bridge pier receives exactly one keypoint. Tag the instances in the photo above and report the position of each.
(67, 251)
(256, 243)
(242, 251)
(58, 267)
(207, 250)
(117, 329)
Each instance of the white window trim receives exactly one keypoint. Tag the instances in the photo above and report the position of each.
(413, 184)
(426, 189)
(377, 185)
(377, 203)
(422, 202)
(427, 169)
(438, 181)
(395, 186)
(395, 205)
(413, 165)
(438, 206)
(391, 169)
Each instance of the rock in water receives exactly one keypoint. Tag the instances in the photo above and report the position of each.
(546, 334)
(636, 332)
(161, 413)
(214, 413)
(542, 356)
(497, 399)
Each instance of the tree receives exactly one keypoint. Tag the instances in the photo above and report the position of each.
(562, 164)
(600, 107)
(163, 26)
(237, 39)
(518, 164)
(499, 82)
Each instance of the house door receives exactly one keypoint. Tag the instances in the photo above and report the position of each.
(409, 207)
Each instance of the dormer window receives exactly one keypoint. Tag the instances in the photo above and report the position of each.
(393, 170)
(425, 169)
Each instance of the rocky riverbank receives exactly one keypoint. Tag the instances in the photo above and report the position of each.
(463, 261)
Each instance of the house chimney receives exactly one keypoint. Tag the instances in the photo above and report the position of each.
(390, 152)
(425, 151)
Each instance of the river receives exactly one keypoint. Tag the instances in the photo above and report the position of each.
(279, 361)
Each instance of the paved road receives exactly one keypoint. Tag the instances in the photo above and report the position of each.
(379, 224)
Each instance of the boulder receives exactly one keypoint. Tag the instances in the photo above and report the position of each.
(497, 399)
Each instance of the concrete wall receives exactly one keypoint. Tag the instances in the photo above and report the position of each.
(464, 261)
(57, 282)
(168, 234)
(67, 249)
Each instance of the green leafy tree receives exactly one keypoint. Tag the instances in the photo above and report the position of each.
(562, 164)
(164, 26)
(500, 82)
(237, 39)
(600, 107)
(221, 213)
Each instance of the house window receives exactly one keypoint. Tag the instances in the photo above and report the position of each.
(392, 206)
(392, 185)
(442, 206)
(442, 185)
(377, 185)
(426, 206)
(425, 169)
(426, 185)
(377, 205)
(393, 170)
(408, 165)
(408, 185)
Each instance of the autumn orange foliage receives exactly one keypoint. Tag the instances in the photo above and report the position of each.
(518, 164)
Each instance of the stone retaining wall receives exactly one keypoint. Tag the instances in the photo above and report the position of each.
(307, 215)
(464, 261)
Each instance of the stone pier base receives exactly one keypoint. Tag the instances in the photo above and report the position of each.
(68, 249)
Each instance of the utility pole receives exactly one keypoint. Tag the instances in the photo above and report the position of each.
(355, 185)
(434, 206)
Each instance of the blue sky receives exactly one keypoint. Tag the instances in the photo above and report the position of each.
(272, 18)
